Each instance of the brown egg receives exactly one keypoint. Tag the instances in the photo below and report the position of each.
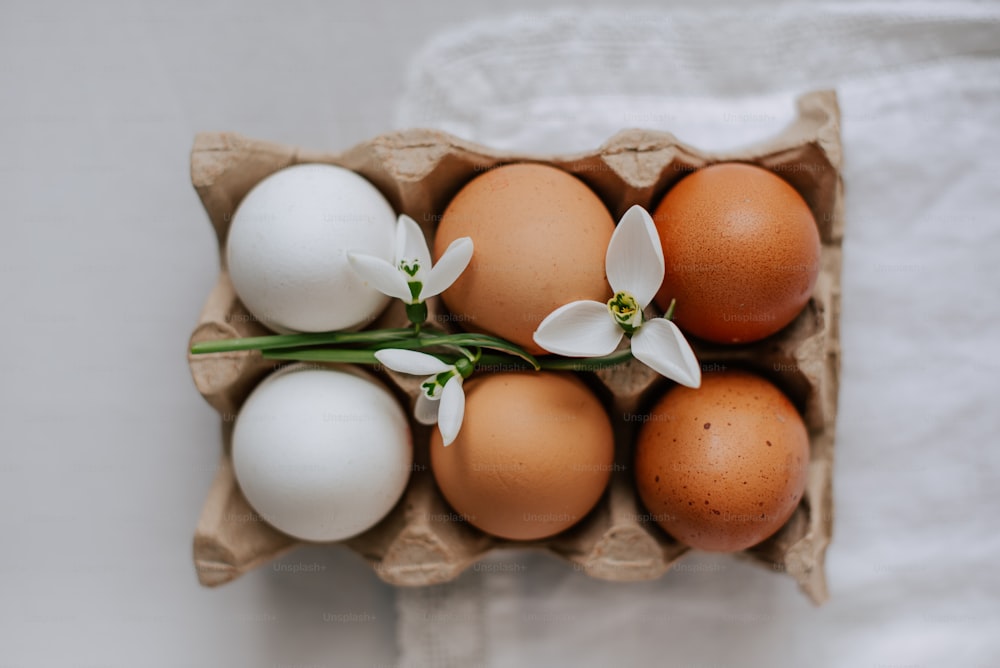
(742, 252)
(540, 238)
(723, 467)
(533, 457)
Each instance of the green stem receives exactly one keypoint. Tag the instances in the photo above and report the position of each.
(461, 341)
(586, 364)
(322, 355)
(299, 340)
(669, 315)
(406, 338)
(418, 341)
(485, 362)
(504, 362)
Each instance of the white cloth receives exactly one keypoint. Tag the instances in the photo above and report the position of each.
(912, 567)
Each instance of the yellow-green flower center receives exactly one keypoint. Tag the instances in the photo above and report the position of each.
(625, 310)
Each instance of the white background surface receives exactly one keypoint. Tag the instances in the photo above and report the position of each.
(107, 451)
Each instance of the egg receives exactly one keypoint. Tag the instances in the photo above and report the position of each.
(534, 455)
(540, 238)
(288, 242)
(742, 252)
(723, 467)
(321, 454)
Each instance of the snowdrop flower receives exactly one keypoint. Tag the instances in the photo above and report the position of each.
(412, 278)
(442, 398)
(635, 269)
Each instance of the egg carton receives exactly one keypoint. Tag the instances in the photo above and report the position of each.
(423, 541)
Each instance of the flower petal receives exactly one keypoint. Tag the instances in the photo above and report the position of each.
(452, 410)
(381, 275)
(410, 242)
(426, 409)
(411, 362)
(660, 345)
(449, 267)
(579, 329)
(635, 257)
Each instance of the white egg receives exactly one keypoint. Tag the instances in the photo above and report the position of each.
(321, 454)
(288, 243)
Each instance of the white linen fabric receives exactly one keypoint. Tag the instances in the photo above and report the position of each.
(912, 571)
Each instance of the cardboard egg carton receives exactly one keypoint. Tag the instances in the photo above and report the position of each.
(423, 541)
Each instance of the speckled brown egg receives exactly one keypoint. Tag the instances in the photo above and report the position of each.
(723, 467)
(742, 252)
(533, 457)
(540, 237)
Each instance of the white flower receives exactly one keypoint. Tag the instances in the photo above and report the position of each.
(412, 278)
(442, 398)
(635, 269)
